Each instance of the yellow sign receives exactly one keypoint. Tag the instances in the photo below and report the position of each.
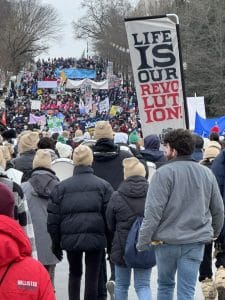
(113, 110)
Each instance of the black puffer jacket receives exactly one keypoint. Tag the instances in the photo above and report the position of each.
(76, 211)
(108, 160)
(120, 216)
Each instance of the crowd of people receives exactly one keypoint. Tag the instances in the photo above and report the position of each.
(112, 176)
(18, 100)
(92, 211)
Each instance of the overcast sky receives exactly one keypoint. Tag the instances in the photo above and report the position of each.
(68, 11)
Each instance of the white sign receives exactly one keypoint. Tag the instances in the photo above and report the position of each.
(155, 58)
(104, 105)
(36, 104)
(47, 84)
(195, 104)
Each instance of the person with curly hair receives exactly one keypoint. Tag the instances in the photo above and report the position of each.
(183, 211)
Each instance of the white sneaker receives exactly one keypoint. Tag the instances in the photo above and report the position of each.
(110, 285)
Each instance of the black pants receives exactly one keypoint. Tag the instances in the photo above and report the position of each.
(102, 292)
(206, 265)
(93, 261)
(205, 270)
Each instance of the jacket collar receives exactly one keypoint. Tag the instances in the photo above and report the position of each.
(82, 169)
(182, 158)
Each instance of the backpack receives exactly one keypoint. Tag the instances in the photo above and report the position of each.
(134, 258)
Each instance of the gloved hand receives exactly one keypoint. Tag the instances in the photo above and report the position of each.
(57, 251)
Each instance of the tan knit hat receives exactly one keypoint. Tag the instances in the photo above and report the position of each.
(82, 155)
(78, 133)
(42, 159)
(211, 152)
(65, 134)
(133, 167)
(103, 130)
(2, 159)
(28, 142)
(6, 153)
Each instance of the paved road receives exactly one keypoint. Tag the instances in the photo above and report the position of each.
(62, 280)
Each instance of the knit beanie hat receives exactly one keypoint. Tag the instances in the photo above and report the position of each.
(133, 137)
(7, 201)
(152, 142)
(103, 130)
(28, 142)
(78, 132)
(211, 151)
(133, 167)
(61, 139)
(42, 159)
(6, 153)
(64, 150)
(120, 137)
(82, 155)
(215, 128)
(65, 134)
(2, 159)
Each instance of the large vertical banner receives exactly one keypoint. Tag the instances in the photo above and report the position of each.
(155, 57)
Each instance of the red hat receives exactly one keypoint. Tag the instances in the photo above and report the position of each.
(7, 201)
(215, 128)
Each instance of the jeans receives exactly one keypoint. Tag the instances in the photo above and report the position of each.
(141, 283)
(93, 263)
(183, 259)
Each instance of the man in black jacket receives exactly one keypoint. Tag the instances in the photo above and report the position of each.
(77, 223)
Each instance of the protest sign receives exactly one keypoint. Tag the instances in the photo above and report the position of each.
(104, 105)
(156, 62)
(36, 104)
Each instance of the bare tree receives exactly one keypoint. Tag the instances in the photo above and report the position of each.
(103, 25)
(202, 24)
(25, 31)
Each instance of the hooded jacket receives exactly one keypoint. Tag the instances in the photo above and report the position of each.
(123, 208)
(21, 277)
(37, 191)
(151, 152)
(108, 159)
(21, 212)
(24, 163)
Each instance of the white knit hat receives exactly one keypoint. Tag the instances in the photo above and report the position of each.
(133, 167)
(65, 151)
